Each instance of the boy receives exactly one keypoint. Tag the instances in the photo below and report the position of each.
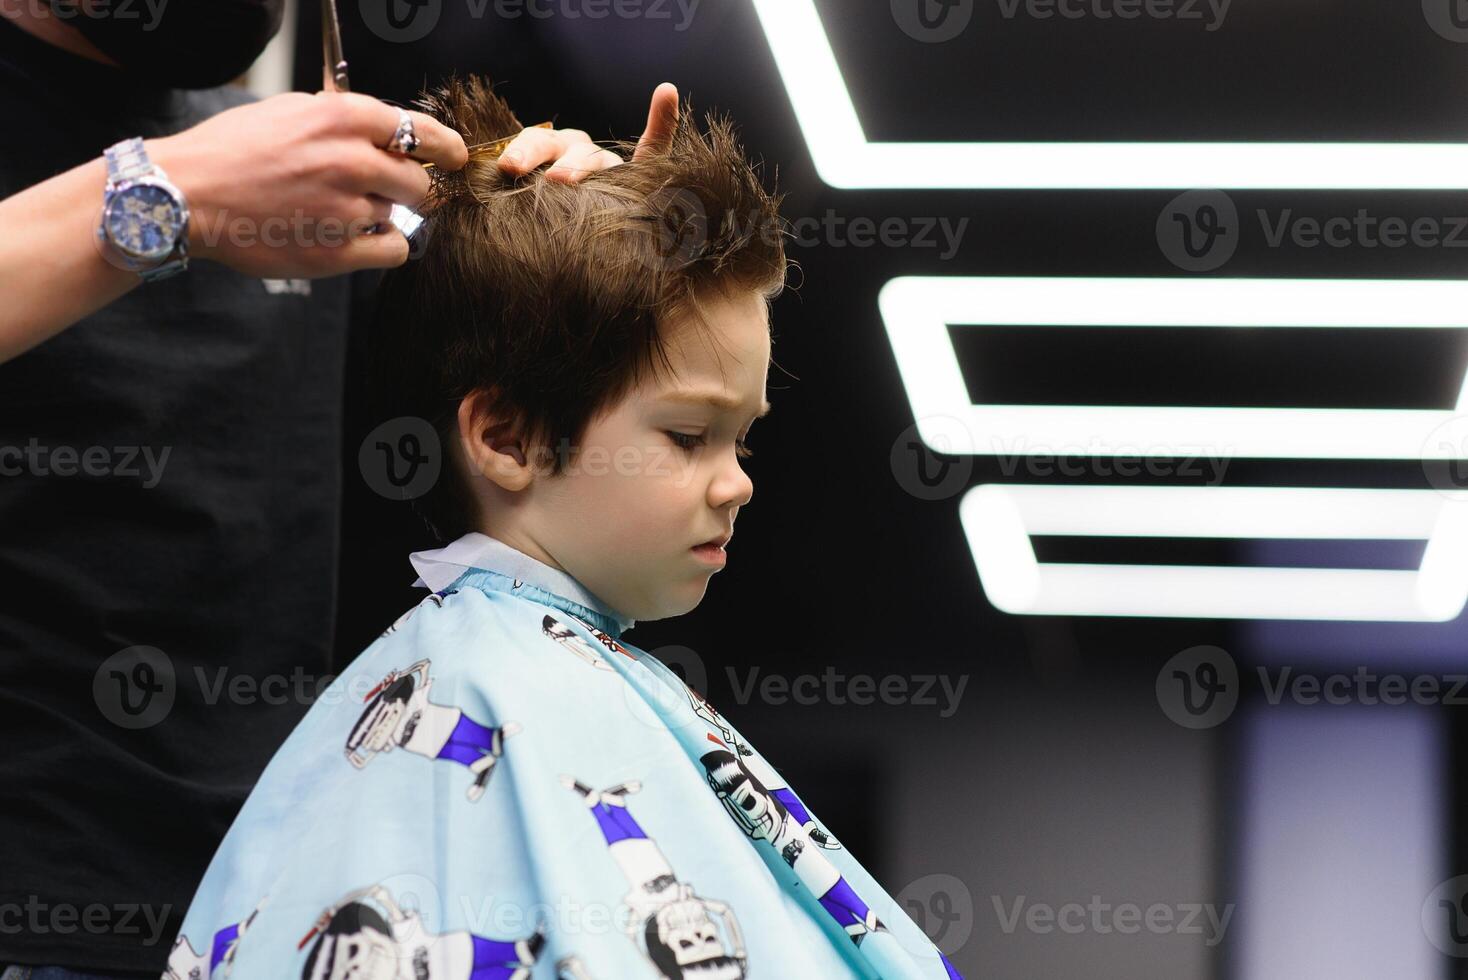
(499, 787)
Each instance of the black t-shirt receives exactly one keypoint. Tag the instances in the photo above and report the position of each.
(169, 478)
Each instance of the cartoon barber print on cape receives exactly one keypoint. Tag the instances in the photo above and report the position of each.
(676, 928)
(765, 808)
(399, 714)
(761, 815)
(604, 639)
(762, 804)
(184, 963)
(761, 773)
(573, 641)
(365, 936)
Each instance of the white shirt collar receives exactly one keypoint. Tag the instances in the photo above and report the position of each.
(439, 568)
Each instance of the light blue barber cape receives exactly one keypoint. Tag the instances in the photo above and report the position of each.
(498, 788)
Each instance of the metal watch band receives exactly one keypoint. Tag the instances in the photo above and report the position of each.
(172, 266)
(127, 159)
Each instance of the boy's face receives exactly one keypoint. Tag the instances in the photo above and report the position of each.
(624, 518)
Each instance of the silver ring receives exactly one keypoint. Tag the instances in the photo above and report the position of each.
(404, 140)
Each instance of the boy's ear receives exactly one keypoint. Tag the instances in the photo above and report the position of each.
(492, 448)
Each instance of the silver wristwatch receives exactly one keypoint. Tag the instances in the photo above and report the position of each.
(145, 219)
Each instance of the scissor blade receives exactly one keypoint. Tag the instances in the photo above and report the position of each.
(334, 72)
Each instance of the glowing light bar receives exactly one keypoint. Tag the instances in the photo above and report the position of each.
(998, 521)
(918, 311)
(846, 159)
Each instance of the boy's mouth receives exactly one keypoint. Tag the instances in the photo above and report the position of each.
(713, 550)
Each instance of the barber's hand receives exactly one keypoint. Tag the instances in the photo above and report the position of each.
(288, 186)
(573, 152)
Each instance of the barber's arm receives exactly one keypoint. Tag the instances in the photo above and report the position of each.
(281, 188)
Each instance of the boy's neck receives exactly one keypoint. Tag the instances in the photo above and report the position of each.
(524, 546)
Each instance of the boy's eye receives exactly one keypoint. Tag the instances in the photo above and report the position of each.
(684, 440)
(687, 441)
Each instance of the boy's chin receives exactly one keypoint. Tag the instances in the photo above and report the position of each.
(677, 601)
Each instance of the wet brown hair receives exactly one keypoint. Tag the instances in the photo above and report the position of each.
(550, 296)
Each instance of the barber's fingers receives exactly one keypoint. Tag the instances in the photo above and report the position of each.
(662, 122)
(376, 121)
(580, 161)
(536, 145)
(363, 170)
(373, 213)
(384, 250)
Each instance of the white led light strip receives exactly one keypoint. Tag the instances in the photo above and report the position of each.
(918, 311)
(998, 521)
(846, 159)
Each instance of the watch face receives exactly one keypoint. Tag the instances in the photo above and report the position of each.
(144, 221)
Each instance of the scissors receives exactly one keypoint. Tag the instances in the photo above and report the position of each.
(334, 77)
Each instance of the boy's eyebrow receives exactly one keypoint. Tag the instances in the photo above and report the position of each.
(716, 398)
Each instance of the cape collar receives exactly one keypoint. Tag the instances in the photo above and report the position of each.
(440, 568)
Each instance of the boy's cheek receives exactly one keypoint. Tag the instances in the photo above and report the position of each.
(685, 471)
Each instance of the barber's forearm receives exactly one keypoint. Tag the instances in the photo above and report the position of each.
(51, 272)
